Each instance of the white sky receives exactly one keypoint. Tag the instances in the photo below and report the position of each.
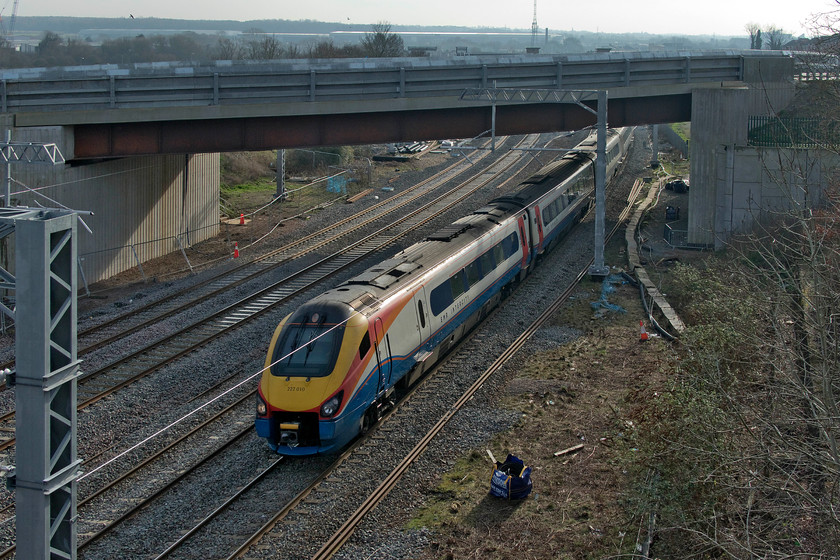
(684, 17)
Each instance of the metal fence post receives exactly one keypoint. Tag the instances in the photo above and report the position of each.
(139, 264)
(181, 247)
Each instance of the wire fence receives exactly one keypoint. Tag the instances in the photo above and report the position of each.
(787, 132)
(133, 259)
(133, 256)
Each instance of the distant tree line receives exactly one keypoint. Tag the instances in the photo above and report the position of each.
(54, 50)
(771, 37)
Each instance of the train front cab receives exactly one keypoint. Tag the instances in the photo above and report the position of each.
(305, 401)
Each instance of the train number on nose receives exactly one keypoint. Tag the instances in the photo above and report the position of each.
(296, 388)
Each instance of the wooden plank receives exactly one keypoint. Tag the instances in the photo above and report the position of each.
(355, 197)
(573, 449)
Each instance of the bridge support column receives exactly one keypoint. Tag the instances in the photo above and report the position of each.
(719, 116)
(654, 144)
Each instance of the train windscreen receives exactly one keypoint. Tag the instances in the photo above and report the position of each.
(307, 348)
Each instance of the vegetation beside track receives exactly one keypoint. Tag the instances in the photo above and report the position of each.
(720, 445)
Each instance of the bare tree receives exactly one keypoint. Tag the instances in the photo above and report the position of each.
(754, 31)
(264, 48)
(227, 49)
(381, 42)
(744, 454)
(776, 37)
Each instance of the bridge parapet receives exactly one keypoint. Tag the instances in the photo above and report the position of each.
(225, 89)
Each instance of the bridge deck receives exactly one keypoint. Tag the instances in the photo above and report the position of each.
(161, 108)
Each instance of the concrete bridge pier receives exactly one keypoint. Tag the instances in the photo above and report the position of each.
(719, 117)
(654, 144)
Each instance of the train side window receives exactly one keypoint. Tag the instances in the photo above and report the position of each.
(422, 314)
(511, 245)
(487, 264)
(473, 271)
(441, 298)
(364, 345)
(499, 253)
(457, 283)
(551, 211)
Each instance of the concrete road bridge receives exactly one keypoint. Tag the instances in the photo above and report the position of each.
(141, 109)
(143, 139)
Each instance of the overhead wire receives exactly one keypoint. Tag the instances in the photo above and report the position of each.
(90, 231)
(208, 403)
(104, 175)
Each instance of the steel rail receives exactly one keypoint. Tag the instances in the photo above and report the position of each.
(148, 460)
(337, 540)
(233, 316)
(340, 537)
(250, 485)
(239, 274)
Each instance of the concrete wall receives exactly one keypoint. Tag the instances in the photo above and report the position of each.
(720, 117)
(670, 135)
(759, 184)
(141, 205)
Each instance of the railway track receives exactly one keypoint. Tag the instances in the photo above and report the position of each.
(343, 534)
(229, 318)
(326, 544)
(338, 484)
(155, 311)
(98, 384)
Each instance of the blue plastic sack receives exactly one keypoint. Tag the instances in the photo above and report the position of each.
(511, 480)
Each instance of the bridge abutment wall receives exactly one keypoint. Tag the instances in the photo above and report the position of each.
(143, 207)
(719, 117)
(671, 136)
(766, 184)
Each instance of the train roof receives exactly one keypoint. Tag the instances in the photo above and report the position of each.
(367, 289)
(378, 281)
(540, 182)
(555, 172)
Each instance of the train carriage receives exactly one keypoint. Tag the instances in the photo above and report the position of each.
(333, 364)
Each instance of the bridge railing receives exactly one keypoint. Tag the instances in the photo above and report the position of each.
(815, 66)
(328, 81)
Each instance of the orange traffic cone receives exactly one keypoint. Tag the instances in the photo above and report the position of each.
(643, 335)
(241, 218)
(236, 253)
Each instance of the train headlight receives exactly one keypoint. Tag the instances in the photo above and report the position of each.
(262, 408)
(329, 408)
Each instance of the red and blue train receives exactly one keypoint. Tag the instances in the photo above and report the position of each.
(334, 363)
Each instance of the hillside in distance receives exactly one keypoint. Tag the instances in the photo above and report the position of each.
(440, 39)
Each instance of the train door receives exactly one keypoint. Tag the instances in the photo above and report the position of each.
(383, 357)
(538, 219)
(423, 316)
(524, 241)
